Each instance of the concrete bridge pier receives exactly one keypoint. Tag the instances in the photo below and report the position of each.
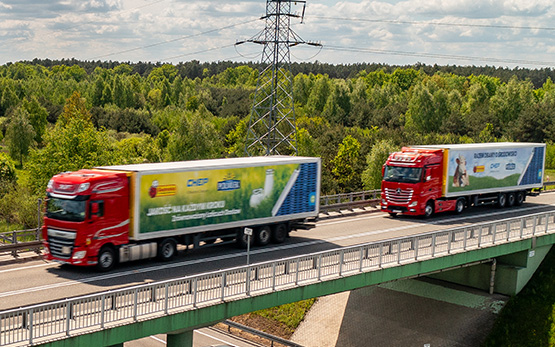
(180, 339)
(508, 275)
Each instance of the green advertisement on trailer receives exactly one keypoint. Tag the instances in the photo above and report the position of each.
(175, 200)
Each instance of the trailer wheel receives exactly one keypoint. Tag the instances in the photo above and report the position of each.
(460, 205)
(167, 249)
(501, 200)
(511, 199)
(279, 233)
(242, 239)
(429, 210)
(263, 235)
(519, 198)
(106, 259)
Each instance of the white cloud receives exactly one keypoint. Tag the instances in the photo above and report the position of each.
(153, 30)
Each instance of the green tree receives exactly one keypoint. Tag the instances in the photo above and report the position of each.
(195, 138)
(346, 164)
(372, 176)
(20, 135)
(70, 146)
(37, 117)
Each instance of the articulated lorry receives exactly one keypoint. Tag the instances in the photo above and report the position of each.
(424, 180)
(112, 214)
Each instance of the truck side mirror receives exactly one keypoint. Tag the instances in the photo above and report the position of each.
(94, 209)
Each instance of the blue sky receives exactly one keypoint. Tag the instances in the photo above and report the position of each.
(505, 33)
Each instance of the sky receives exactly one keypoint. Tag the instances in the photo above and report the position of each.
(503, 33)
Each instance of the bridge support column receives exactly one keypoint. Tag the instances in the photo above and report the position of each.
(511, 273)
(180, 339)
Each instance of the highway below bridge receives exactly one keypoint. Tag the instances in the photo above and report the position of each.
(36, 281)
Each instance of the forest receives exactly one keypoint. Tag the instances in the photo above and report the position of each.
(66, 115)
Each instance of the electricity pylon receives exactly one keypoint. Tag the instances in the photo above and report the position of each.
(272, 128)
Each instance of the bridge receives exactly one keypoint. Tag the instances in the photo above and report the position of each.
(512, 247)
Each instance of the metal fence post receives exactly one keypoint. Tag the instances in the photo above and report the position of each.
(399, 252)
(223, 285)
(361, 256)
(274, 276)
(341, 258)
(103, 302)
(415, 248)
(319, 267)
(297, 272)
(464, 238)
(68, 317)
(508, 226)
(39, 219)
(166, 301)
(248, 284)
(31, 327)
(135, 304)
(433, 245)
(380, 257)
(195, 292)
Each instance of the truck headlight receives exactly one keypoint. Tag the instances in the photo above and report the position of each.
(414, 203)
(384, 202)
(79, 255)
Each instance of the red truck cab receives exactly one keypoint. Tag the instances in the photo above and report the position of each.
(412, 182)
(85, 211)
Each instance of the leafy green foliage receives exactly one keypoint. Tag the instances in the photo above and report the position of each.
(20, 135)
(372, 176)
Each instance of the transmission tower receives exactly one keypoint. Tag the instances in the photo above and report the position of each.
(272, 127)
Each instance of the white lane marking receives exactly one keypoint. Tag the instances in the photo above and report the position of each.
(159, 340)
(27, 267)
(237, 255)
(215, 338)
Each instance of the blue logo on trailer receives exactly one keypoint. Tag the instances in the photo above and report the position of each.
(229, 185)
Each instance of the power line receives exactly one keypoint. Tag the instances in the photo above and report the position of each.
(174, 40)
(198, 52)
(442, 56)
(436, 23)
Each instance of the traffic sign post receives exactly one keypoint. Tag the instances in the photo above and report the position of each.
(248, 232)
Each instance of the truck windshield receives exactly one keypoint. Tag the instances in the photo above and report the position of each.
(64, 209)
(402, 174)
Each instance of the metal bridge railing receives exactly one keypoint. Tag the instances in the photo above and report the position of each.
(55, 320)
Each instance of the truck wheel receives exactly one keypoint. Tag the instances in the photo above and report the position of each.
(460, 205)
(263, 235)
(429, 210)
(242, 239)
(167, 249)
(519, 199)
(106, 259)
(280, 233)
(501, 200)
(511, 199)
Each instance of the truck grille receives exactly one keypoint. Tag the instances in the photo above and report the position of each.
(58, 241)
(398, 196)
